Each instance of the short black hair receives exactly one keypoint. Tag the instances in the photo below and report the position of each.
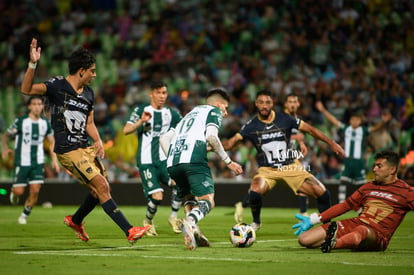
(392, 157)
(291, 95)
(263, 92)
(81, 58)
(158, 84)
(218, 91)
(33, 97)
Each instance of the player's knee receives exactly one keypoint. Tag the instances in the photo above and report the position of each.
(155, 201)
(157, 196)
(306, 240)
(259, 185)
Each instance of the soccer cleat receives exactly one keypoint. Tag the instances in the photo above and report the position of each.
(201, 240)
(78, 229)
(238, 212)
(22, 220)
(151, 229)
(187, 230)
(330, 239)
(256, 226)
(173, 221)
(136, 233)
(14, 200)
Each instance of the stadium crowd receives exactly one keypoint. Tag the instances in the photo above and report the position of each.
(351, 55)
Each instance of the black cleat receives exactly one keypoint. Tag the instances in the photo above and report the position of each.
(330, 239)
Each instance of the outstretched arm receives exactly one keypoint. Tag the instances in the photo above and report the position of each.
(27, 86)
(215, 143)
(231, 142)
(132, 127)
(327, 114)
(385, 118)
(335, 147)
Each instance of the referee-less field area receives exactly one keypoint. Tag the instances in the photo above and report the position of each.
(46, 246)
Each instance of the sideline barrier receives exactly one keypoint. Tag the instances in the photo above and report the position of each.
(228, 192)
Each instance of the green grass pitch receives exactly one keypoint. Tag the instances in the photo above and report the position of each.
(46, 246)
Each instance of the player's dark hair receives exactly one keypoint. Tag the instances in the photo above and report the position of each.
(263, 92)
(158, 84)
(290, 95)
(219, 91)
(81, 59)
(392, 158)
(33, 97)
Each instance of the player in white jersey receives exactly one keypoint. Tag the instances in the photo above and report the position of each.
(355, 136)
(188, 165)
(29, 132)
(149, 121)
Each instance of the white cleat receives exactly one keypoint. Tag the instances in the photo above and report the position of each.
(173, 221)
(151, 230)
(187, 230)
(22, 220)
(14, 200)
(238, 212)
(256, 226)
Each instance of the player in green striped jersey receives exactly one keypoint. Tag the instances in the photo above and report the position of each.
(150, 121)
(29, 132)
(355, 136)
(186, 149)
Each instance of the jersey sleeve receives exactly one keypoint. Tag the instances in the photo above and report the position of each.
(13, 129)
(135, 114)
(214, 117)
(176, 117)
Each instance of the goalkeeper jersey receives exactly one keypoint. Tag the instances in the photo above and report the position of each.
(189, 143)
(383, 207)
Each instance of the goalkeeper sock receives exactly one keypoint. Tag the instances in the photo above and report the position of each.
(112, 210)
(256, 206)
(352, 240)
(85, 208)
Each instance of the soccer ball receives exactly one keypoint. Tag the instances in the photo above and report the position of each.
(242, 235)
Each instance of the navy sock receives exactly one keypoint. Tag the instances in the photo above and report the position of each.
(303, 204)
(324, 201)
(246, 200)
(116, 215)
(85, 208)
(256, 206)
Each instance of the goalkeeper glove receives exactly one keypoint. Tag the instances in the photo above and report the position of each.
(305, 222)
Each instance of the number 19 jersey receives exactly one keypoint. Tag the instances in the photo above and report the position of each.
(189, 143)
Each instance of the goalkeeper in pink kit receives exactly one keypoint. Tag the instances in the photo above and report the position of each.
(384, 203)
